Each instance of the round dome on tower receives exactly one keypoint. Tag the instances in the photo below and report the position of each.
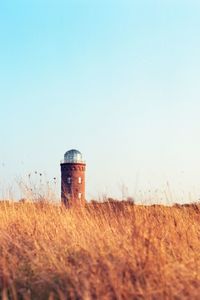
(73, 156)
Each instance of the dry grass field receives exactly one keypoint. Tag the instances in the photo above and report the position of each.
(100, 251)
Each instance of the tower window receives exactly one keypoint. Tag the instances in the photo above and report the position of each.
(79, 195)
(69, 180)
(79, 180)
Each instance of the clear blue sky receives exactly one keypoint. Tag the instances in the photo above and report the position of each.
(118, 80)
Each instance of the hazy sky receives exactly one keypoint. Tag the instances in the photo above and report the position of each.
(118, 80)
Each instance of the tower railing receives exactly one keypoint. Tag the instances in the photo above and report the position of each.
(73, 161)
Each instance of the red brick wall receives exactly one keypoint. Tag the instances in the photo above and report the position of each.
(72, 191)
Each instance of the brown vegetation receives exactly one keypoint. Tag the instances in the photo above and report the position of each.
(100, 251)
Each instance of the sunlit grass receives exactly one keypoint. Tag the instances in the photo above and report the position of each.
(99, 251)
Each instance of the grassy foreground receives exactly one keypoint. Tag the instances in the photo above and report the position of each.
(101, 251)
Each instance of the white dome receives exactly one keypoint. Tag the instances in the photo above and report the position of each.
(73, 156)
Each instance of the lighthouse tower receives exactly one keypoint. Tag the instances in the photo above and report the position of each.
(72, 178)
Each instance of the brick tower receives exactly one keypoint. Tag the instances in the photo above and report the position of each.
(73, 178)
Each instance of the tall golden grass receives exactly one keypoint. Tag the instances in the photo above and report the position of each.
(99, 251)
